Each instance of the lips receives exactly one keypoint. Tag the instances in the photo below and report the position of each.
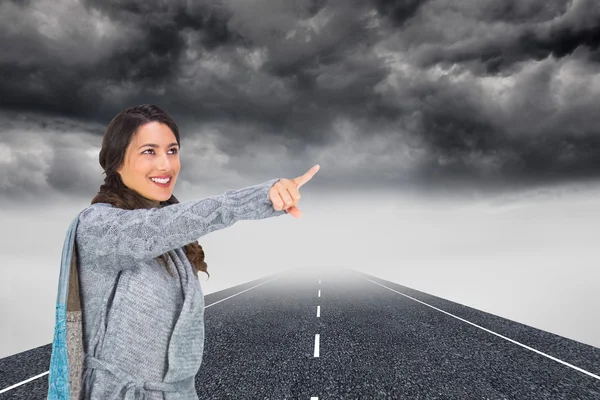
(163, 185)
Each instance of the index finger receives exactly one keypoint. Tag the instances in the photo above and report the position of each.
(301, 180)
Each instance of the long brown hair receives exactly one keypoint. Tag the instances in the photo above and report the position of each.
(118, 136)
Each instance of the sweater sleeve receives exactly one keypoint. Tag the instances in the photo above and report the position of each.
(123, 238)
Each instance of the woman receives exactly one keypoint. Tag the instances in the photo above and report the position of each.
(142, 305)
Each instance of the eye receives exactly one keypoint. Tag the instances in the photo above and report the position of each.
(175, 150)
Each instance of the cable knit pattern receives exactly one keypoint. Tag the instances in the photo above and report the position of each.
(143, 329)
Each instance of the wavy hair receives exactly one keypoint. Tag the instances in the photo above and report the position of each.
(119, 134)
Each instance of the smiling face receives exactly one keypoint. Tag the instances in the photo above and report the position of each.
(153, 152)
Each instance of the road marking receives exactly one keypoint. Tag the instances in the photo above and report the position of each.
(492, 332)
(317, 345)
(24, 382)
(314, 398)
(319, 292)
(47, 372)
(212, 304)
(318, 311)
(319, 281)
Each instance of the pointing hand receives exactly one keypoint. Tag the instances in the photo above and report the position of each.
(285, 194)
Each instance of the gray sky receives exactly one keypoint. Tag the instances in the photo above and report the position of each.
(455, 137)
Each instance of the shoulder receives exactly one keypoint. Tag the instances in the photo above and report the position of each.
(95, 210)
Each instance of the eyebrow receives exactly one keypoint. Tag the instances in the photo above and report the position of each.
(155, 145)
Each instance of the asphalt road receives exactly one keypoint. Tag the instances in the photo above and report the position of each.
(338, 334)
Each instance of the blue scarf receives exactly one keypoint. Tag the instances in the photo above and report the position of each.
(64, 379)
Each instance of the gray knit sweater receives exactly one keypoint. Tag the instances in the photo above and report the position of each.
(144, 329)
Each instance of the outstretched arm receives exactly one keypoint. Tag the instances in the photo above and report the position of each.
(122, 238)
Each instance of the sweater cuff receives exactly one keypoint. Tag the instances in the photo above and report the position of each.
(252, 202)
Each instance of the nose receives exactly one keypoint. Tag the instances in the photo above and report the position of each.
(163, 163)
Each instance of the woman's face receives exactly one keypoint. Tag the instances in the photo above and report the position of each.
(152, 153)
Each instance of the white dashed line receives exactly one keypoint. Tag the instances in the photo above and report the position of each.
(318, 311)
(314, 398)
(319, 292)
(317, 345)
(492, 332)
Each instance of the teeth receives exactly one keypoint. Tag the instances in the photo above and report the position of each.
(161, 180)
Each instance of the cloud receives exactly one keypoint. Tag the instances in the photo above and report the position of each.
(432, 93)
(490, 37)
(38, 155)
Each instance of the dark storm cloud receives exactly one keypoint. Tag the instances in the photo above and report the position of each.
(163, 22)
(415, 73)
(38, 155)
(530, 44)
(146, 56)
(398, 12)
(532, 137)
(520, 12)
(516, 31)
